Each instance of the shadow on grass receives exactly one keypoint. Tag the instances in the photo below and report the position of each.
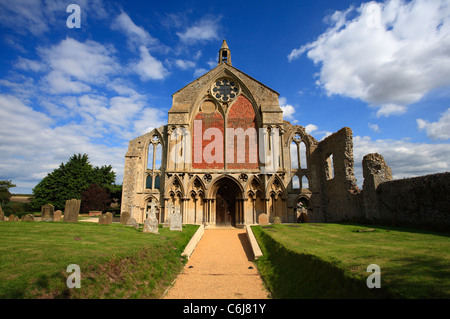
(292, 275)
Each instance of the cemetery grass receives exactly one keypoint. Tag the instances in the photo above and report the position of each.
(116, 261)
(330, 261)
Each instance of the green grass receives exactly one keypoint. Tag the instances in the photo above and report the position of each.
(116, 261)
(331, 260)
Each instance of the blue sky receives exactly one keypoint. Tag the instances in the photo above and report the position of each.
(380, 68)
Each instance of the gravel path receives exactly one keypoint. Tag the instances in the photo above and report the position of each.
(220, 268)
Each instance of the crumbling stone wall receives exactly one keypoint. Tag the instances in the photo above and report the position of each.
(421, 201)
(375, 172)
(339, 193)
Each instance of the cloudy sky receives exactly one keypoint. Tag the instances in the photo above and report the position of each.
(380, 68)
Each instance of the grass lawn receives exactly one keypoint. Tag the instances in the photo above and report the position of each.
(331, 260)
(116, 261)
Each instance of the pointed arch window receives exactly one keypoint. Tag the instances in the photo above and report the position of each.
(305, 182)
(295, 182)
(303, 163)
(298, 152)
(157, 182)
(158, 157)
(294, 155)
(148, 182)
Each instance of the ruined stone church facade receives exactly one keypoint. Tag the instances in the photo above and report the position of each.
(227, 157)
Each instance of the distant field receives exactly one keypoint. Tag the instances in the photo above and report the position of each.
(331, 260)
(21, 198)
(116, 261)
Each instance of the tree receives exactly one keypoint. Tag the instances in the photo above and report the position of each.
(95, 198)
(69, 181)
(5, 195)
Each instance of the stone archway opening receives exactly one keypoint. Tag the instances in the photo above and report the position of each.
(228, 203)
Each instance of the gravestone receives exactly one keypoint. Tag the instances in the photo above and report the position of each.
(277, 220)
(57, 216)
(169, 211)
(72, 210)
(124, 217)
(109, 218)
(176, 220)
(132, 222)
(47, 211)
(2, 215)
(28, 218)
(102, 220)
(13, 218)
(263, 219)
(151, 223)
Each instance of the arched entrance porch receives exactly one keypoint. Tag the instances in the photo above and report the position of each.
(228, 208)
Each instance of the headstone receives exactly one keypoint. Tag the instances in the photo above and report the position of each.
(132, 222)
(47, 212)
(13, 218)
(277, 220)
(175, 220)
(263, 219)
(169, 211)
(124, 217)
(28, 218)
(2, 215)
(57, 216)
(151, 223)
(102, 220)
(72, 210)
(109, 218)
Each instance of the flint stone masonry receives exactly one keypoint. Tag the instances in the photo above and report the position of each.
(72, 210)
(375, 172)
(421, 201)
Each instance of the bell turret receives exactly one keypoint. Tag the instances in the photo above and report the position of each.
(225, 54)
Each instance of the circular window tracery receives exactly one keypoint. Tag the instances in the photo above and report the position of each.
(225, 90)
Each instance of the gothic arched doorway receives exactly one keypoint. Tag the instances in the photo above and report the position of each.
(228, 208)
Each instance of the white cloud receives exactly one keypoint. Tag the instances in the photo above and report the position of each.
(204, 30)
(38, 17)
(374, 127)
(136, 35)
(288, 110)
(387, 54)
(439, 130)
(149, 68)
(184, 64)
(311, 128)
(74, 65)
(406, 159)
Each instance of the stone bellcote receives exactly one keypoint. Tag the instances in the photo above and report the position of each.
(224, 54)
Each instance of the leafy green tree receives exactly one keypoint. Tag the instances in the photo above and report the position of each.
(5, 195)
(69, 180)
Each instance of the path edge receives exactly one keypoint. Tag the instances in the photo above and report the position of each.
(189, 249)
(253, 242)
